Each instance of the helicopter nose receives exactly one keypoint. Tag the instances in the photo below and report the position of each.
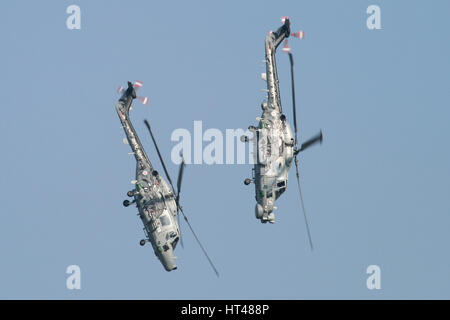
(167, 259)
(169, 266)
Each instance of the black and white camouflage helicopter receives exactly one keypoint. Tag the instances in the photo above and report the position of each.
(274, 143)
(157, 202)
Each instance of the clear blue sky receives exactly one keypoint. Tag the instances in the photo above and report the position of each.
(376, 191)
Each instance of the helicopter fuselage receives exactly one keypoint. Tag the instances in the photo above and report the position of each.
(153, 197)
(273, 138)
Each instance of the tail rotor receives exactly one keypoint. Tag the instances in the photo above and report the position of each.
(135, 85)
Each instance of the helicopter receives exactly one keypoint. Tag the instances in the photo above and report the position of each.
(275, 144)
(157, 202)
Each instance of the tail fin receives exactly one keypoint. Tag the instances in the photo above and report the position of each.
(282, 32)
(129, 94)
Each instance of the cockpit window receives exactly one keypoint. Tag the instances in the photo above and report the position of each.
(164, 220)
(174, 242)
(280, 191)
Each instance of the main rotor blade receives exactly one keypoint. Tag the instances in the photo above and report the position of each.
(159, 155)
(180, 178)
(177, 199)
(179, 226)
(316, 139)
(291, 60)
(199, 243)
(303, 205)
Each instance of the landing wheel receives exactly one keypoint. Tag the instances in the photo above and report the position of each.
(142, 242)
(130, 193)
(126, 203)
(247, 181)
(244, 138)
